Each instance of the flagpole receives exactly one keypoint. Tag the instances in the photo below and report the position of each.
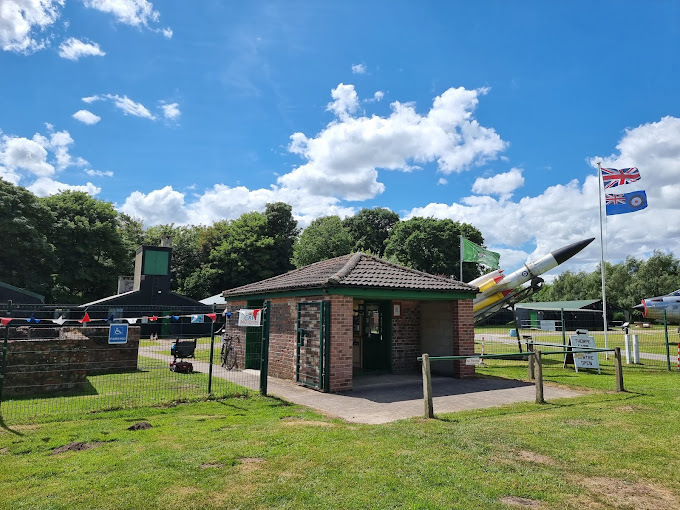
(461, 258)
(602, 271)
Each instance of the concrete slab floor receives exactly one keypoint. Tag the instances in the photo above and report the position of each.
(384, 398)
(387, 398)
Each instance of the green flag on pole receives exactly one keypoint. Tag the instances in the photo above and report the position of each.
(475, 253)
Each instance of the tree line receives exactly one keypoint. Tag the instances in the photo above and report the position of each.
(627, 283)
(71, 247)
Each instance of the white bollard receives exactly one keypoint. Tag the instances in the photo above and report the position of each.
(636, 350)
(626, 347)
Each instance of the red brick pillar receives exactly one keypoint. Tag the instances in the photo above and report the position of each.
(341, 343)
(463, 336)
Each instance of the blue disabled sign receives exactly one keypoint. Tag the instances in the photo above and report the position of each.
(118, 333)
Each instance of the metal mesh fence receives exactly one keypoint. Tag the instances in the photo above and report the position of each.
(643, 344)
(54, 370)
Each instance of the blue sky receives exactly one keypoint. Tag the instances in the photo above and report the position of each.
(491, 113)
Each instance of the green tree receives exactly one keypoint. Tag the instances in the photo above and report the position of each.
(627, 283)
(283, 229)
(245, 255)
(132, 232)
(370, 228)
(433, 246)
(27, 257)
(323, 239)
(90, 249)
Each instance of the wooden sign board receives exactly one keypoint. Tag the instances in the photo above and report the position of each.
(584, 359)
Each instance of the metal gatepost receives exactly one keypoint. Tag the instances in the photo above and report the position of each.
(264, 354)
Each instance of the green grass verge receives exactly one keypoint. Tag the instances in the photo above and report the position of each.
(600, 450)
(152, 384)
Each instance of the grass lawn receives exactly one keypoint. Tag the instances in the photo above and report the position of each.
(601, 450)
(152, 384)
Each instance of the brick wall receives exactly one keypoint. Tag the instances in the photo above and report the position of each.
(283, 337)
(463, 322)
(341, 343)
(406, 338)
(64, 357)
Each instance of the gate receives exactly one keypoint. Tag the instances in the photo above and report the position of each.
(313, 339)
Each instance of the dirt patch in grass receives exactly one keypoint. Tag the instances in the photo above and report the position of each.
(250, 463)
(142, 425)
(580, 423)
(3, 450)
(18, 428)
(631, 409)
(536, 458)
(311, 423)
(614, 493)
(74, 447)
(522, 502)
(211, 466)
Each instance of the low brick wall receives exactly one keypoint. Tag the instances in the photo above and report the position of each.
(63, 358)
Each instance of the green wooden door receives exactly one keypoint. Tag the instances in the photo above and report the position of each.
(377, 336)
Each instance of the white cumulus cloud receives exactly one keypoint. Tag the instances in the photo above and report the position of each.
(171, 111)
(86, 117)
(129, 12)
(500, 184)
(358, 69)
(159, 206)
(344, 158)
(45, 186)
(99, 173)
(346, 101)
(23, 23)
(220, 202)
(18, 153)
(73, 49)
(33, 162)
(136, 13)
(565, 213)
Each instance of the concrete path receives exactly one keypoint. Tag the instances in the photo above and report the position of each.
(387, 398)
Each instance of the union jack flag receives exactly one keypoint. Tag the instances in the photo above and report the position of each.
(614, 199)
(612, 177)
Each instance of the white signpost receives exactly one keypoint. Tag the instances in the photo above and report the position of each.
(584, 359)
(474, 361)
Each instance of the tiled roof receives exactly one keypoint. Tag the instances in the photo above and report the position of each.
(354, 270)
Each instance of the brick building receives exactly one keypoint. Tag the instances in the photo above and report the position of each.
(358, 314)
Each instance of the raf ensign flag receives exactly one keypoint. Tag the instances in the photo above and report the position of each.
(625, 202)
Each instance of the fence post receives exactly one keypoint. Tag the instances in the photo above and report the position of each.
(4, 350)
(212, 349)
(626, 346)
(564, 337)
(636, 350)
(668, 347)
(539, 377)
(530, 348)
(619, 369)
(427, 387)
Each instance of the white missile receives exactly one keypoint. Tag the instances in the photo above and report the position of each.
(495, 288)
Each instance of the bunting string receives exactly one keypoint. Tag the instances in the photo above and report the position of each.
(5, 321)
